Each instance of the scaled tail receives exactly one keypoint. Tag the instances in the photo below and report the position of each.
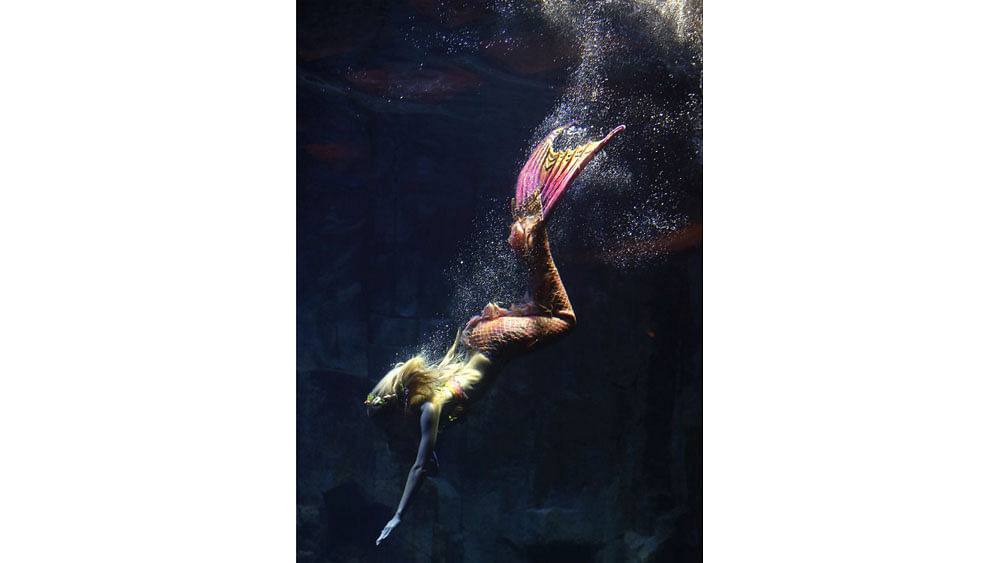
(548, 173)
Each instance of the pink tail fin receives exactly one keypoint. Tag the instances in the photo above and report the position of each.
(549, 172)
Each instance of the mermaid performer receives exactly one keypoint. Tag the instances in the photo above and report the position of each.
(497, 335)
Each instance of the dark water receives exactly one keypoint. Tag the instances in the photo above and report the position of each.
(413, 120)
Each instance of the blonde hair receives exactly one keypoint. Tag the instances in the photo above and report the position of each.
(416, 381)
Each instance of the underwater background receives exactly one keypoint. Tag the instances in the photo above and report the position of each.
(413, 120)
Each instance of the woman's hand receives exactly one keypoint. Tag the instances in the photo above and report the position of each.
(429, 415)
(388, 529)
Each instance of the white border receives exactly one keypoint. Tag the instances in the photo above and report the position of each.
(851, 282)
(147, 307)
(147, 296)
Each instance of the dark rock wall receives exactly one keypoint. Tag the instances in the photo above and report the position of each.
(412, 126)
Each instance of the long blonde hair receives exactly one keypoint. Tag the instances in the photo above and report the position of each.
(416, 381)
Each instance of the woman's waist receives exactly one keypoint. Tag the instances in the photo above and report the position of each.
(476, 378)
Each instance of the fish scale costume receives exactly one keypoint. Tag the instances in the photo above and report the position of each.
(499, 333)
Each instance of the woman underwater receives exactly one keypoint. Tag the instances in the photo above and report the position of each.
(491, 339)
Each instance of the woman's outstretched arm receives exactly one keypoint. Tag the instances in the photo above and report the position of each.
(425, 463)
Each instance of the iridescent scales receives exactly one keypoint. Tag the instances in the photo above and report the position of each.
(548, 173)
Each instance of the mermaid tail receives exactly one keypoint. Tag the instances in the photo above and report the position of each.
(548, 173)
(499, 333)
(502, 334)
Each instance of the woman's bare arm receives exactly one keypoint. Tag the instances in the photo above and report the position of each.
(425, 463)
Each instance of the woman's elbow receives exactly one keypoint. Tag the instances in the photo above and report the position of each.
(425, 467)
(421, 470)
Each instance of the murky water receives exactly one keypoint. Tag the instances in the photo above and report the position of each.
(630, 202)
(414, 118)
